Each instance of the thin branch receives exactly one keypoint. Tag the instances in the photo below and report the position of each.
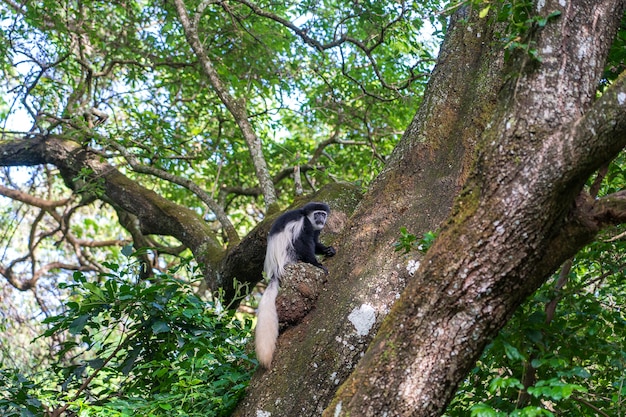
(550, 308)
(236, 107)
(300, 32)
(31, 200)
(617, 237)
(591, 406)
(605, 275)
(597, 182)
(341, 39)
(256, 191)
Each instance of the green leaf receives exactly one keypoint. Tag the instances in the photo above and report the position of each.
(78, 324)
(502, 383)
(554, 389)
(484, 12)
(554, 14)
(484, 410)
(78, 276)
(160, 327)
(512, 352)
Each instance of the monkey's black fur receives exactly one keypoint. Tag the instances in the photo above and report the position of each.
(307, 243)
(293, 237)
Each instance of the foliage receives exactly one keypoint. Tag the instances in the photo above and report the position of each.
(572, 364)
(409, 241)
(519, 20)
(136, 348)
(133, 62)
(121, 79)
(128, 347)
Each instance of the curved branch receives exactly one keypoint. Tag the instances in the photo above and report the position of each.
(295, 29)
(345, 39)
(30, 199)
(233, 237)
(155, 214)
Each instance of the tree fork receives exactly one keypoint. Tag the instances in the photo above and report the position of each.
(318, 354)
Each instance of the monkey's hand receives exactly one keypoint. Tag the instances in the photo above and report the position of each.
(329, 251)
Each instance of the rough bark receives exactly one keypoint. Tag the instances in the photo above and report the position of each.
(520, 216)
(367, 275)
(523, 139)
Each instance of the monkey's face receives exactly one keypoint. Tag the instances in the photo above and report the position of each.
(318, 219)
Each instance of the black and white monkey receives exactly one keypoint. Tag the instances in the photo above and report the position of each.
(293, 237)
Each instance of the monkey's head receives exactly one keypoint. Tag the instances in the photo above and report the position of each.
(317, 213)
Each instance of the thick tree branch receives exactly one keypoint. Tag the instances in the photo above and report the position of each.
(154, 214)
(601, 132)
(517, 220)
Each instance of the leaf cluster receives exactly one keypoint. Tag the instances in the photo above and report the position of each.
(133, 347)
(409, 242)
(519, 20)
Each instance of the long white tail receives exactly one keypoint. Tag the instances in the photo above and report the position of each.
(266, 331)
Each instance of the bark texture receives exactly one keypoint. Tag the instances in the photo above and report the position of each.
(367, 276)
(521, 214)
(521, 139)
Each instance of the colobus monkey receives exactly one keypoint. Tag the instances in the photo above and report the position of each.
(293, 237)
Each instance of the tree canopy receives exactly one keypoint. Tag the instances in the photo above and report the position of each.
(146, 147)
(182, 109)
(114, 113)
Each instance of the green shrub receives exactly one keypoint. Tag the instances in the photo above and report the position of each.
(128, 347)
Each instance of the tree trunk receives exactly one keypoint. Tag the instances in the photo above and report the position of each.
(367, 276)
(523, 138)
